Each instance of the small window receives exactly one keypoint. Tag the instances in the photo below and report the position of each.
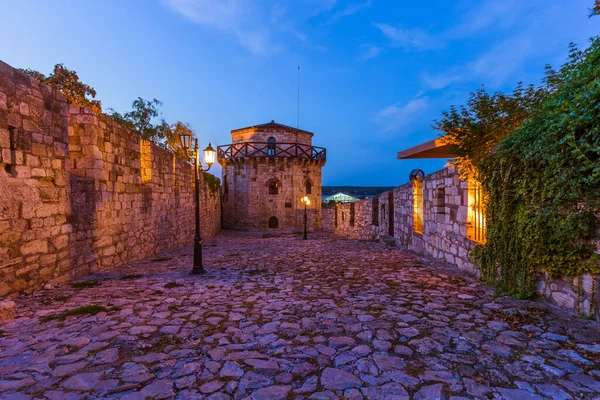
(288, 205)
(352, 214)
(273, 184)
(440, 199)
(271, 146)
(308, 186)
(475, 213)
(375, 211)
(273, 223)
(418, 205)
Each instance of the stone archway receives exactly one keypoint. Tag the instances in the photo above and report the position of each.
(273, 223)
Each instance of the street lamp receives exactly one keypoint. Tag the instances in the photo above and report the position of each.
(209, 158)
(306, 202)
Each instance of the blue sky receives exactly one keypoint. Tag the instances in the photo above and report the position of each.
(374, 73)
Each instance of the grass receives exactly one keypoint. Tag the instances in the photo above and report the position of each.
(85, 284)
(254, 272)
(173, 307)
(91, 309)
(162, 341)
(171, 285)
(61, 299)
(130, 276)
(161, 259)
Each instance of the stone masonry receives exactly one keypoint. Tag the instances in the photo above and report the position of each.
(79, 193)
(250, 167)
(444, 237)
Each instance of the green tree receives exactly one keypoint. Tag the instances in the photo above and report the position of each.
(144, 119)
(475, 129)
(67, 81)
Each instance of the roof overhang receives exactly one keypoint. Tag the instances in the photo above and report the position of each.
(437, 148)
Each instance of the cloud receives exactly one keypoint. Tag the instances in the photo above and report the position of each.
(408, 38)
(398, 115)
(533, 36)
(347, 11)
(486, 14)
(367, 52)
(238, 19)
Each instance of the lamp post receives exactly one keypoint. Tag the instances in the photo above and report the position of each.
(306, 202)
(209, 158)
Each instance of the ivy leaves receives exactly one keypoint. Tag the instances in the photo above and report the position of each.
(536, 152)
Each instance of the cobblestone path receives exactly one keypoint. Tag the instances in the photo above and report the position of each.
(276, 317)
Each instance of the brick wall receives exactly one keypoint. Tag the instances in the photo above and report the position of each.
(444, 236)
(79, 193)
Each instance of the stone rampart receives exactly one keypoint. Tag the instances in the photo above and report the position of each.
(445, 228)
(79, 193)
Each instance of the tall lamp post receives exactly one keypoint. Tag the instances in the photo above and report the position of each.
(209, 158)
(306, 202)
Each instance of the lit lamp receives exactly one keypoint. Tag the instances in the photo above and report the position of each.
(209, 158)
(306, 202)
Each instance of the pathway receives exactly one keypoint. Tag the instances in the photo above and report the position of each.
(276, 317)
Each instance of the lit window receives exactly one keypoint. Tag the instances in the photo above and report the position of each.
(475, 212)
(271, 143)
(273, 184)
(418, 205)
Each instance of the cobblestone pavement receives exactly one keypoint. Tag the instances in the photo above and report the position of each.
(276, 317)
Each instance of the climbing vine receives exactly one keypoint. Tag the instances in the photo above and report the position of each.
(540, 169)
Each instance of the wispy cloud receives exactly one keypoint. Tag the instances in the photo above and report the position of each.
(239, 19)
(397, 116)
(367, 52)
(347, 11)
(408, 38)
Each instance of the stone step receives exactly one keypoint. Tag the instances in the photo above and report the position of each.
(388, 240)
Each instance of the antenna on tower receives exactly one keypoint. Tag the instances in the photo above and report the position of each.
(298, 117)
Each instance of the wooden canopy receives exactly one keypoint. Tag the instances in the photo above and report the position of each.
(437, 148)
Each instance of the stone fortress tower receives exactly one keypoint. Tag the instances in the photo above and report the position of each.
(267, 170)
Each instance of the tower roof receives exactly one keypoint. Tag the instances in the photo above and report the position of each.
(271, 127)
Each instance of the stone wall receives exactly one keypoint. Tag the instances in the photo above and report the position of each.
(79, 193)
(390, 217)
(248, 205)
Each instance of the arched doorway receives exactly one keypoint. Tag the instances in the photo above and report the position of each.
(273, 223)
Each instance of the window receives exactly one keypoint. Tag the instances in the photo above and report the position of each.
(336, 216)
(375, 211)
(273, 184)
(271, 143)
(273, 223)
(475, 213)
(418, 205)
(440, 200)
(352, 214)
(308, 186)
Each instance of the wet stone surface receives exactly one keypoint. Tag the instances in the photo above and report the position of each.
(277, 317)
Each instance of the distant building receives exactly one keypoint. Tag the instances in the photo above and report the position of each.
(340, 198)
(267, 170)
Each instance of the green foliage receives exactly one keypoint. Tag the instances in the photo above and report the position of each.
(213, 183)
(542, 180)
(142, 119)
(67, 81)
(91, 309)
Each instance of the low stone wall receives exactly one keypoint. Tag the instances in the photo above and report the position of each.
(444, 236)
(79, 193)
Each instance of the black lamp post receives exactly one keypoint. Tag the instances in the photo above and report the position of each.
(209, 158)
(306, 202)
